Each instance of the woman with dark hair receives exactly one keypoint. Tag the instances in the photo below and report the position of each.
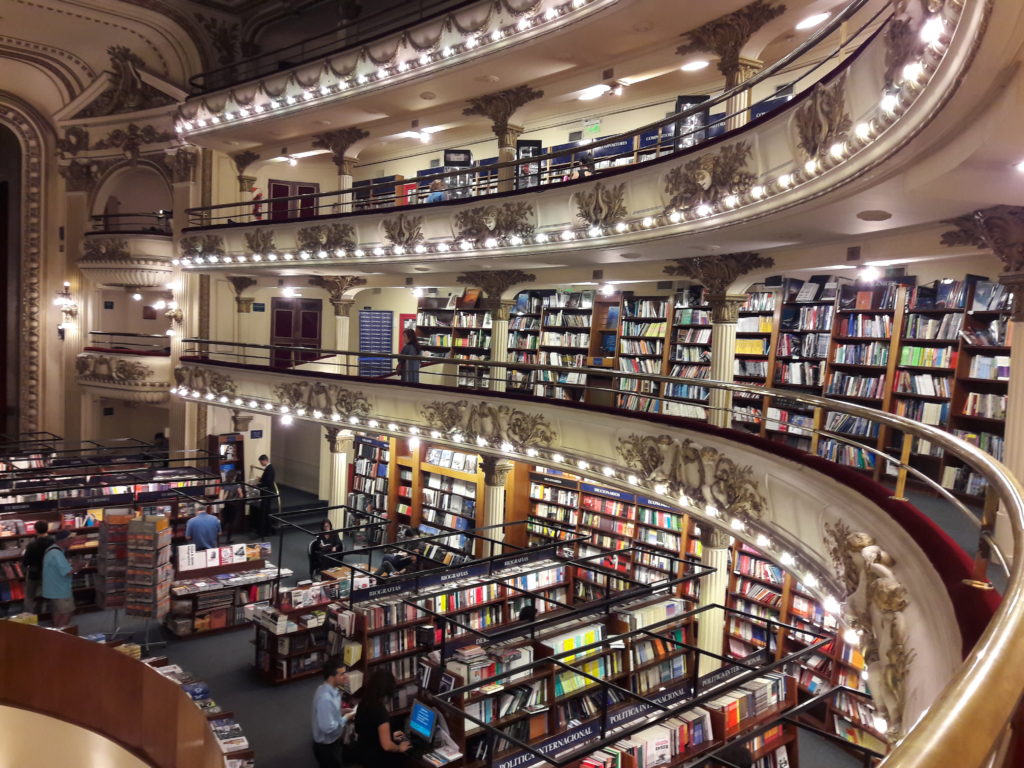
(379, 747)
(233, 494)
(409, 370)
(327, 542)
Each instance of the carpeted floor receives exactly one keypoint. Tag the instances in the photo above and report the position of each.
(276, 718)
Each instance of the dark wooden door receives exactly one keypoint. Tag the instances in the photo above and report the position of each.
(295, 323)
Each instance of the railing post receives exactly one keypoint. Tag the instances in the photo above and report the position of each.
(901, 478)
(819, 420)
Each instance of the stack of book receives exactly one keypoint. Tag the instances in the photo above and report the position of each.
(149, 572)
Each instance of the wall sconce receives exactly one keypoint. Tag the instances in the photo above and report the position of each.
(68, 309)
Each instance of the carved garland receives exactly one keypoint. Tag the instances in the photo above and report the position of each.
(211, 245)
(26, 126)
(874, 604)
(496, 424)
(131, 139)
(260, 241)
(113, 370)
(705, 475)
(403, 230)
(326, 237)
(822, 120)
(106, 249)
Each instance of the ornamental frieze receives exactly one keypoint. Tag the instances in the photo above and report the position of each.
(102, 368)
(403, 230)
(317, 397)
(203, 380)
(823, 120)
(260, 241)
(705, 475)
(874, 604)
(707, 179)
(326, 237)
(494, 423)
(105, 249)
(207, 245)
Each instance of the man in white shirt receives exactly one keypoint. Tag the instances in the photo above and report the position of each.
(329, 717)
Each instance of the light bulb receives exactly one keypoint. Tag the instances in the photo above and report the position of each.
(557, 457)
(583, 464)
(932, 29)
(136, 297)
(737, 524)
(507, 447)
(810, 580)
(757, 191)
(889, 103)
(703, 210)
(837, 150)
(567, 235)
(811, 166)
(392, 427)
(532, 453)
(661, 489)
(831, 605)
(787, 559)
(785, 180)
(675, 217)
(647, 222)
(763, 541)
(621, 227)
(443, 247)
(913, 71)
(541, 237)
(851, 637)
(608, 472)
(633, 480)
(731, 201)
(286, 420)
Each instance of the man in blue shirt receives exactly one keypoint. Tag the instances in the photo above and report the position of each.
(203, 530)
(328, 718)
(57, 579)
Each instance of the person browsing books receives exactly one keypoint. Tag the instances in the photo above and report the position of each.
(379, 747)
(409, 370)
(203, 530)
(57, 579)
(268, 487)
(398, 562)
(329, 716)
(327, 542)
(32, 562)
(233, 494)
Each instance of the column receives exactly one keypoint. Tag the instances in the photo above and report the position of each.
(246, 183)
(338, 443)
(76, 224)
(337, 286)
(714, 590)
(499, 107)
(718, 274)
(726, 37)
(495, 473)
(738, 107)
(182, 416)
(339, 143)
(1013, 450)
(724, 316)
(499, 344)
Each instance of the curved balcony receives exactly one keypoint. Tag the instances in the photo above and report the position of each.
(131, 367)
(957, 696)
(646, 185)
(120, 255)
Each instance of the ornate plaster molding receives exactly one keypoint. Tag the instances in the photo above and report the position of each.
(710, 177)
(496, 470)
(239, 283)
(339, 142)
(260, 241)
(498, 107)
(999, 229)
(726, 36)
(203, 380)
(131, 139)
(717, 273)
(498, 221)
(325, 237)
(127, 92)
(823, 120)
(105, 249)
(28, 127)
(496, 424)
(79, 176)
(243, 160)
(118, 370)
(316, 397)
(874, 603)
(403, 230)
(76, 139)
(494, 283)
(336, 287)
(705, 475)
(602, 206)
(224, 37)
(210, 245)
(183, 162)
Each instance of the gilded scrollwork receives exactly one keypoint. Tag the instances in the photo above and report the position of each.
(875, 601)
(203, 380)
(496, 424)
(602, 206)
(705, 475)
(403, 230)
(707, 179)
(497, 221)
(326, 237)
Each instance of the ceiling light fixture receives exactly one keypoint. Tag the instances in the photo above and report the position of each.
(695, 66)
(812, 21)
(594, 92)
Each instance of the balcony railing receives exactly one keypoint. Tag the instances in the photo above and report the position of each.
(973, 715)
(817, 60)
(153, 344)
(384, 18)
(155, 223)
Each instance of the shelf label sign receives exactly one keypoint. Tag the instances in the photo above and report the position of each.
(387, 589)
(519, 558)
(641, 709)
(561, 482)
(557, 745)
(655, 504)
(469, 572)
(611, 493)
(719, 676)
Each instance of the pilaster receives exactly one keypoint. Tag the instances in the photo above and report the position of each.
(714, 590)
(499, 107)
(496, 471)
(494, 284)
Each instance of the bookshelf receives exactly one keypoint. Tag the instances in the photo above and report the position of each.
(291, 632)
(368, 482)
(471, 339)
(689, 353)
(523, 340)
(756, 334)
(565, 333)
(227, 454)
(642, 349)
(450, 484)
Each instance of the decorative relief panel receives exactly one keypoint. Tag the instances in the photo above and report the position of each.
(260, 241)
(704, 474)
(875, 601)
(494, 423)
(708, 178)
(602, 206)
(823, 120)
(497, 221)
(203, 380)
(403, 230)
(324, 398)
(326, 237)
(207, 245)
(125, 378)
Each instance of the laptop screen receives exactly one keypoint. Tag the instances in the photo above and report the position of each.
(422, 721)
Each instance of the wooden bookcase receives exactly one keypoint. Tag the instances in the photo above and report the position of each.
(643, 330)
(291, 633)
(208, 600)
(756, 336)
(227, 453)
(689, 353)
(565, 339)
